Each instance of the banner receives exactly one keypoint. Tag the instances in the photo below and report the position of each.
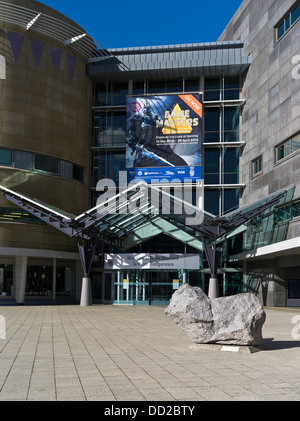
(164, 138)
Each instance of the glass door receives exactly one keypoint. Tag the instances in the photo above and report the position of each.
(108, 290)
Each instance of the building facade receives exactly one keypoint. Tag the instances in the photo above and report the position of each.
(57, 82)
(45, 147)
(271, 131)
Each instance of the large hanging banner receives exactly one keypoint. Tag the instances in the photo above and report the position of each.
(164, 138)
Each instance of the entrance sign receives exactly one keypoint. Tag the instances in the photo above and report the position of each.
(171, 261)
(164, 138)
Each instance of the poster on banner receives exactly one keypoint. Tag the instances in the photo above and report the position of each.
(164, 137)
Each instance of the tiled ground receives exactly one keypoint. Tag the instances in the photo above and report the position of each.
(125, 353)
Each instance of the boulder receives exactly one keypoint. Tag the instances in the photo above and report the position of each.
(233, 320)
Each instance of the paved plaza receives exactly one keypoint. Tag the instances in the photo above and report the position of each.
(126, 353)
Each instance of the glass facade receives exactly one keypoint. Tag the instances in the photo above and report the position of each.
(221, 155)
(37, 162)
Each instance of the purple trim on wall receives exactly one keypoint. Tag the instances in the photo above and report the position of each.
(16, 42)
(37, 47)
(56, 55)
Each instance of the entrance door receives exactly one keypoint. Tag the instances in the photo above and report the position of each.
(108, 287)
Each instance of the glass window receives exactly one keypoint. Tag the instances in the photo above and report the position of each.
(66, 169)
(174, 86)
(108, 165)
(5, 157)
(231, 200)
(156, 86)
(212, 89)
(46, 163)
(285, 24)
(231, 87)
(138, 87)
(231, 124)
(295, 14)
(110, 129)
(212, 201)
(294, 288)
(288, 212)
(77, 173)
(191, 85)
(281, 30)
(231, 165)
(23, 160)
(280, 152)
(287, 148)
(6, 280)
(212, 166)
(101, 95)
(212, 125)
(295, 144)
(17, 215)
(257, 166)
(120, 93)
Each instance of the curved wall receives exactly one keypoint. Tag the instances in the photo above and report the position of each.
(45, 109)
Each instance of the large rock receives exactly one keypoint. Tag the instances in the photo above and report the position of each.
(234, 320)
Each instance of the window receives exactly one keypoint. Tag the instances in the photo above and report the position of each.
(18, 215)
(174, 86)
(231, 159)
(108, 164)
(287, 148)
(231, 124)
(77, 173)
(191, 85)
(46, 163)
(212, 166)
(138, 87)
(225, 88)
(110, 128)
(212, 125)
(287, 21)
(23, 160)
(120, 93)
(212, 89)
(257, 166)
(5, 157)
(289, 211)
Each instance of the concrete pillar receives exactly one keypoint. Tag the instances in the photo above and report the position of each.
(213, 291)
(20, 278)
(86, 292)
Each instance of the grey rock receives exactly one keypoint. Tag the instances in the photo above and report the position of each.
(233, 320)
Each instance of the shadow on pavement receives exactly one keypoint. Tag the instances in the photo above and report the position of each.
(270, 344)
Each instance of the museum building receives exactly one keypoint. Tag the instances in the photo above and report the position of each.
(64, 129)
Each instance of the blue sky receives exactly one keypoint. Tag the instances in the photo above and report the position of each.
(149, 22)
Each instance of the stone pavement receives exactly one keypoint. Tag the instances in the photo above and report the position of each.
(126, 353)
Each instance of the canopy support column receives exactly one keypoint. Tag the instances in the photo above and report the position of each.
(86, 251)
(213, 254)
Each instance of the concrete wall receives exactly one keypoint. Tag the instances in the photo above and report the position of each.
(272, 109)
(270, 116)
